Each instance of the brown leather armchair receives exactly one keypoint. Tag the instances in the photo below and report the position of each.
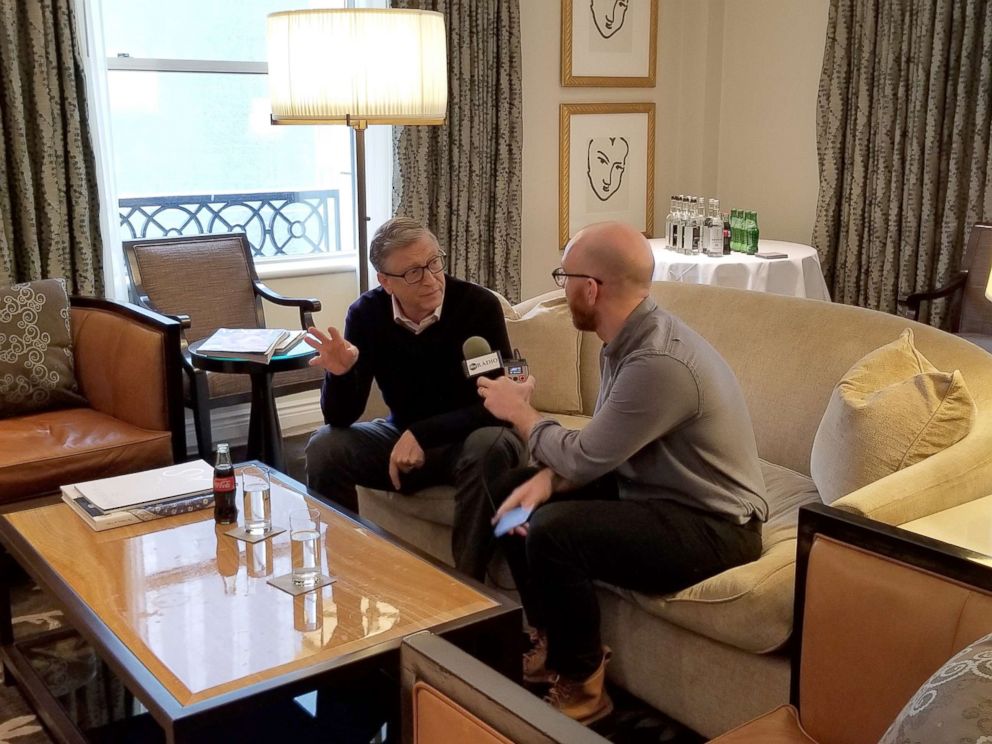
(209, 282)
(970, 311)
(450, 696)
(878, 610)
(127, 368)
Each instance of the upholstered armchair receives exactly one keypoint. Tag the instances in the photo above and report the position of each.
(209, 282)
(450, 696)
(128, 418)
(971, 312)
(878, 611)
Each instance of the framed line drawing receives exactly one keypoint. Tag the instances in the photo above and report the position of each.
(605, 166)
(609, 43)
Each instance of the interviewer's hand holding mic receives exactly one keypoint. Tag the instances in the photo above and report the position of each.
(335, 354)
(504, 398)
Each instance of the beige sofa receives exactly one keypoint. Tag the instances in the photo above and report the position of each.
(714, 655)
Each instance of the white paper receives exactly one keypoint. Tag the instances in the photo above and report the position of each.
(149, 485)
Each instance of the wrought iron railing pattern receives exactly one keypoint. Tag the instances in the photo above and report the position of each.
(278, 223)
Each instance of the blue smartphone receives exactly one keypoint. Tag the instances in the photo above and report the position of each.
(513, 518)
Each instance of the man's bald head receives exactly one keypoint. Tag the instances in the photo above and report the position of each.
(617, 254)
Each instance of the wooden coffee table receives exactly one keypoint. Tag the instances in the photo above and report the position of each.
(183, 615)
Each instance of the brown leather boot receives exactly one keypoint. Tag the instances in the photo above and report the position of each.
(585, 700)
(535, 661)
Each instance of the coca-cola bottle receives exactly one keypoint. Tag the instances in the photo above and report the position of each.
(225, 489)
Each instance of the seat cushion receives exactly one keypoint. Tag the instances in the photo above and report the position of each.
(891, 409)
(36, 361)
(780, 726)
(748, 606)
(42, 451)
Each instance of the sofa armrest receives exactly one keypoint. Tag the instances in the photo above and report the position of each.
(127, 364)
(956, 475)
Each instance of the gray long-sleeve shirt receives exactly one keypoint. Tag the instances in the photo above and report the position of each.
(670, 420)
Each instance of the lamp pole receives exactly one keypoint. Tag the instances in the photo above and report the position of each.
(359, 126)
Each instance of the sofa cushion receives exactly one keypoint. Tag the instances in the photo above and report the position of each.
(891, 409)
(36, 362)
(955, 704)
(748, 606)
(550, 343)
(42, 451)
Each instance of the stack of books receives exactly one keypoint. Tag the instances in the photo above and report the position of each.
(250, 344)
(140, 497)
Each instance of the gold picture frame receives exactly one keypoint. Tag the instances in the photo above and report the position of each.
(608, 44)
(605, 166)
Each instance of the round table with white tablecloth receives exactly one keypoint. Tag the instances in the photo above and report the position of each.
(798, 274)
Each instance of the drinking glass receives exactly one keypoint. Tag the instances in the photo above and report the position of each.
(304, 539)
(255, 485)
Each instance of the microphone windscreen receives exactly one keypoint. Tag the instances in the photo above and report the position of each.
(475, 346)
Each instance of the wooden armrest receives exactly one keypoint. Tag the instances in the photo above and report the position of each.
(912, 302)
(307, 305)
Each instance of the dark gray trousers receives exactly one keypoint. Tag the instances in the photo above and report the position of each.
(590, 534)
(340, 459)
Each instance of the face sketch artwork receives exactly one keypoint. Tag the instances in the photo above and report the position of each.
(606, 160)
(608, 15)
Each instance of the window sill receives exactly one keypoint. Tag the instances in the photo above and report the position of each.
(306, 266)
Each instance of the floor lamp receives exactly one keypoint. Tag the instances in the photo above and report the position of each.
(358, 67)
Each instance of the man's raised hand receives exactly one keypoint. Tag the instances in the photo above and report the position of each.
(334, 353)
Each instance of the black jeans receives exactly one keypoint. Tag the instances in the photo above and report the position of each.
(589, 534)
(338, 459)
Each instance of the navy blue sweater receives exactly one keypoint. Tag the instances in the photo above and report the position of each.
(420, 375)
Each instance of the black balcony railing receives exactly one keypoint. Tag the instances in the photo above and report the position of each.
(278, 224)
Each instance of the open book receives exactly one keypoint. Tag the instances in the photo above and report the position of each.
(251, 344)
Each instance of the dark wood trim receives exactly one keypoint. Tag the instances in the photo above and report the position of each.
(921, 552)
(171, 331)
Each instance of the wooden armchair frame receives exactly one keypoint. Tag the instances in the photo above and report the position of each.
(199, 398)
(977, 258)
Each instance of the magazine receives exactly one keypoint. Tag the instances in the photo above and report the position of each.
(251, 344)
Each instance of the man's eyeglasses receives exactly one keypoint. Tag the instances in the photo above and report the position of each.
(560, 276)
(416, 274)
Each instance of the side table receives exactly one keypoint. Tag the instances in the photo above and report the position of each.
(966, 525)
(264, 432)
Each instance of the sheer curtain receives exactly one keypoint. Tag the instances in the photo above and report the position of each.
(463, 179)
(903, 128)
(49, 208)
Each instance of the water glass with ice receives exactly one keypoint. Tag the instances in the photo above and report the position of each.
(304, 538)
(255, 485)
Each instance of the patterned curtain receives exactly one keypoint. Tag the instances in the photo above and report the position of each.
(463, 179)
(49, 209)
(903, 126)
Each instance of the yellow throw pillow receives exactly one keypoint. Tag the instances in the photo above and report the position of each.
(550, 343)
(892, 409)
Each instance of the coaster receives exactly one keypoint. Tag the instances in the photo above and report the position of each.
(238, 533)
(285, 582)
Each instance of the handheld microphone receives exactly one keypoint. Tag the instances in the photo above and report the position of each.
(479, 357)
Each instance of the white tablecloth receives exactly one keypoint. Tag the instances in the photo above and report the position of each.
(798, 275)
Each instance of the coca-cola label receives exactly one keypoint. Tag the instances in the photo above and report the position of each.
(224, 483)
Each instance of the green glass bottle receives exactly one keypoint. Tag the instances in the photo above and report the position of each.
(751, 232)
(735, 230)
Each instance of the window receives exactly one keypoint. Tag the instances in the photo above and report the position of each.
(192, 147)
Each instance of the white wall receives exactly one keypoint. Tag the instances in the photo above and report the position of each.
(735, 118)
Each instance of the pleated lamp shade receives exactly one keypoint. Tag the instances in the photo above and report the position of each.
(377, 65)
